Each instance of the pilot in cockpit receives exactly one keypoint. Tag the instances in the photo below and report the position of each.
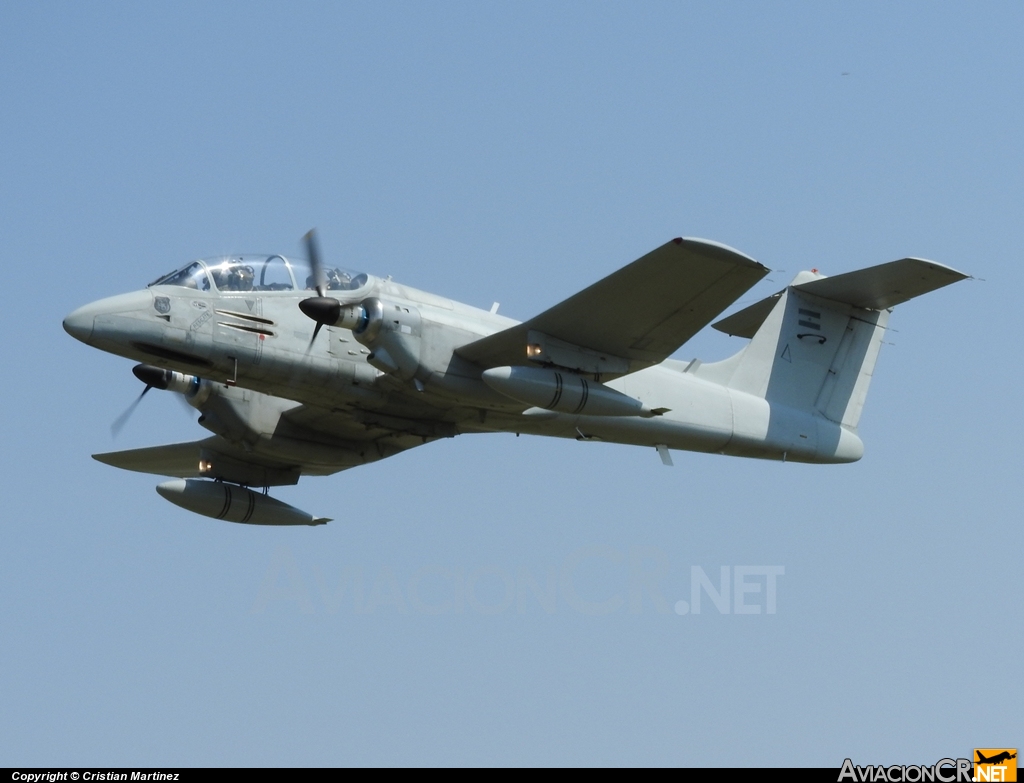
(241, 278)
(236, 277)
(336, 280)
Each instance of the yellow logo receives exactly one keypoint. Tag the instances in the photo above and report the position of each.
(995, 764)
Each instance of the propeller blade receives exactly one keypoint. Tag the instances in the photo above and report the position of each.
(121, 420)
(316, 331)
(315, 262)
(321, 308)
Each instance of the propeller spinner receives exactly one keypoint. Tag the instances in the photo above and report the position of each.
(321, 308)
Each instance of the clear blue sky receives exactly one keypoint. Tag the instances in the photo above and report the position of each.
(515, 153)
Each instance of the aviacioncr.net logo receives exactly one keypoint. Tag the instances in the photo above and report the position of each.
(942, 771)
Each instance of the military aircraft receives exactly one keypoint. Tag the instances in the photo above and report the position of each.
(299, 369)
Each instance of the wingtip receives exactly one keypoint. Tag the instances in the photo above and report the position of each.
(711, 247)
(945, 268)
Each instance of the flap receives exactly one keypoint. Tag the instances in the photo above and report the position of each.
(641, 313)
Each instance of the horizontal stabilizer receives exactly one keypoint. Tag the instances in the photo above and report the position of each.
(747, 321)
(641, 314)
(875, 288)
(886, 285)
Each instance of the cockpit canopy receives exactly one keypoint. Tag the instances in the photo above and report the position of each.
(258, 273)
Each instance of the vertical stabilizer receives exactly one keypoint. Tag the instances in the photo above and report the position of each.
(814, 346)
(812, 354)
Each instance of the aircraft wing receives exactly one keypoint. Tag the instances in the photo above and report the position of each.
(636, 316)
(176, 459)
(281, 461)
(182, 460)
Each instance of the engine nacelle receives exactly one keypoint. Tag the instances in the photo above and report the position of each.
(233, 503)
(564, 392)
(392, 332)
(253, 420)
(239, 415)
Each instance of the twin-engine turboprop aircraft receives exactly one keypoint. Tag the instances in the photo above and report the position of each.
(292, 384)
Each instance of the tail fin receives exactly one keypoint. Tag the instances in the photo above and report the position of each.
(815, 344)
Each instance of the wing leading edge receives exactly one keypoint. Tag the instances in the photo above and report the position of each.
(640, 314)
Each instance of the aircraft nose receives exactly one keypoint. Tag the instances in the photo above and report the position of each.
(79, 323)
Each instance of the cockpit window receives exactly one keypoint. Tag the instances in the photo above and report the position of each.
(192, 276)
(274, 275)
(258, 273)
